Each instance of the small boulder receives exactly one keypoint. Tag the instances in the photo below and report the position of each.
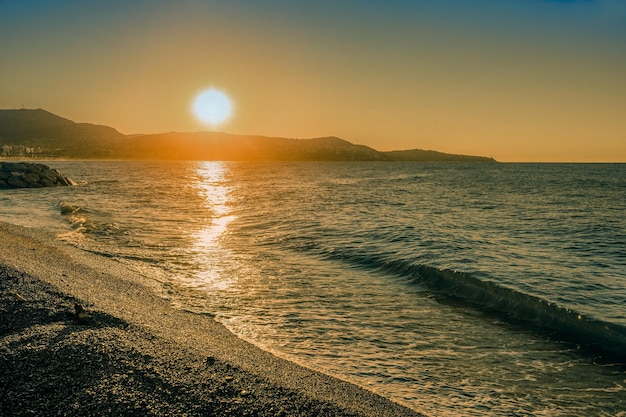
(16, 182)
(46, 183)
(31, 178)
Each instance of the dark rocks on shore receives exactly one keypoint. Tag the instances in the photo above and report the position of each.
(30, 175)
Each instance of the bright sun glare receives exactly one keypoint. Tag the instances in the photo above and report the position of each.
(212, 106)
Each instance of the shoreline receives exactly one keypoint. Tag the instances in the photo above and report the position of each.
(133, 353)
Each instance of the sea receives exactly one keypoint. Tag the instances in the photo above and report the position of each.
(456, 289)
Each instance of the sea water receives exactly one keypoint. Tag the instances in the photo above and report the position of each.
(455, 289)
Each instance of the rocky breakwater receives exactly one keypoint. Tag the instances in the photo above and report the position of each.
(30, 175)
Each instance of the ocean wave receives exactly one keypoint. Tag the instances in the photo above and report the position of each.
(85, 221)
(560, 322)
(77, 217)
(68, 209)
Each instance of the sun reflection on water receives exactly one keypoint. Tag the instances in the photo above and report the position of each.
(213, 186)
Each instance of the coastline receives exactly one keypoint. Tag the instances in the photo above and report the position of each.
(134, 354)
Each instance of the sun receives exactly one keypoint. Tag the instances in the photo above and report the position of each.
(212, 106)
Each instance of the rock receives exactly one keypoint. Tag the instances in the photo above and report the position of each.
(16, 182)
(61, 180)
(14, 166)
(80, 313)
(31, 178)
(49, 174)
(18, 297)
(35, 168)
(30, 175)
(45, 183)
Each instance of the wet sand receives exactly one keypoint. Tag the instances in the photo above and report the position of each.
(81, 334)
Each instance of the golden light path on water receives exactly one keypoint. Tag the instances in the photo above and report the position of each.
(209, 252)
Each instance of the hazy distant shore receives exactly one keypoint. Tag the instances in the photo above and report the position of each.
(130, 353)
(27, 133)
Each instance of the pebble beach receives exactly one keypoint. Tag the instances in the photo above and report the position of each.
(83, 335)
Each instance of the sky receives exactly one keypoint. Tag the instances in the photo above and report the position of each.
(517, 80)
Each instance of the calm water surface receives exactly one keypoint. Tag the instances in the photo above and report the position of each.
(456, 289)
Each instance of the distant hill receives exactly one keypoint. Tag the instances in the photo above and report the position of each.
(39, 133)
(433, 156)
(223, 146)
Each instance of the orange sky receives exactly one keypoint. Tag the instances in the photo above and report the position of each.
(519, 80)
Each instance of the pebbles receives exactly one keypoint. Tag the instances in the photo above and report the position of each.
(133, 354)
(53, 364)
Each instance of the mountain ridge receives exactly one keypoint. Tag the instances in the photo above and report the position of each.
(40, 133)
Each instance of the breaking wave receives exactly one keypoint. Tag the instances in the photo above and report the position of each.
(522, 309)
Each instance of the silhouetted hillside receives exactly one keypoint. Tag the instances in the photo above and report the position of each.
(41, 133)
(38, 133)
(433, 156)
(223, 146)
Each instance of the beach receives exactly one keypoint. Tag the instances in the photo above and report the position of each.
(82, 334)
(447, 299)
